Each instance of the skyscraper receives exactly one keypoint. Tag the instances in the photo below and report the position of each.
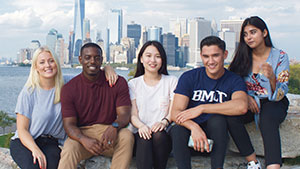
(34, 44)
(51, 39)
(178, 26)
(115, 25)
(70, 47)
(78, 26)
(233, 25)
(199, 29)
(154, 33)
(230, 39)
(107, 47)
(169, 43)
(134, 31)
(55, 42)
(86, 29)
(230, 33)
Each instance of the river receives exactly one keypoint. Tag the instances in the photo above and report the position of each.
(12, 80)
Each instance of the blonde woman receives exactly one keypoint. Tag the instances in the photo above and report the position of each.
(39, 122)
(38, 109)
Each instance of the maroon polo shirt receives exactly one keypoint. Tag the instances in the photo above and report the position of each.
(93, 102)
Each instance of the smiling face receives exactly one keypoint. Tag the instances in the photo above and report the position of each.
(46, 66)
(213, 60)
(151, 59)
(254, 37)
(91, 60)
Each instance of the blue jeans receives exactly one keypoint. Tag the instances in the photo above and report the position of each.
(215, 128)
(23, 156)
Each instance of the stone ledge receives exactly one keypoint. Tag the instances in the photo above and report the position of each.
(289, 133)
(232, 161)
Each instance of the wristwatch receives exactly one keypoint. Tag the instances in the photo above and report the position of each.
(115, 125)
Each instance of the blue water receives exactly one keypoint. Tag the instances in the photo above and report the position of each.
(12, 80)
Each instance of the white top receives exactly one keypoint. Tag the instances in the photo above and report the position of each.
(152, 101)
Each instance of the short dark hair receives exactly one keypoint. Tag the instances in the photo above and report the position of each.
(213, 40)
(91, 44)
(140, 70)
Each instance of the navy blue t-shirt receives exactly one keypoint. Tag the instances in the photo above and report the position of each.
(200, 89)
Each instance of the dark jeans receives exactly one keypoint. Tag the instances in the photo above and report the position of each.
(270, 117)
(154, 152)
(23, 157)
(215, 128)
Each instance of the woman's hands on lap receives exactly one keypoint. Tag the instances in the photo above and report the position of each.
(145, 132)
(158, 126)
(38, 156)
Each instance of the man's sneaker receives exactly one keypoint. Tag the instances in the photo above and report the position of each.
(253, 165)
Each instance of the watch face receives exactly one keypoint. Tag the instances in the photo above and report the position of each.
(115, 124)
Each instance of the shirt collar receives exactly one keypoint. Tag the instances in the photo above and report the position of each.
(100, 81)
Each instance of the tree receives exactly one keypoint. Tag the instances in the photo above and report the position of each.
(6, 120)
(294, 81)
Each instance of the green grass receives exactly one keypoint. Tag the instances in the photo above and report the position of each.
(5, 140)
(292, 161)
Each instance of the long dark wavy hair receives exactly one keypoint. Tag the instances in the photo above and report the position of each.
(140, 69)
(242, 61)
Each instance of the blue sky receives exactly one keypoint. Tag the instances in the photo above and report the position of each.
(24, 20)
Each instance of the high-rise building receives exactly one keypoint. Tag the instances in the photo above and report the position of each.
(24, 56)
(55, 42)
(115, 25)
(34, 44)
(144, 36)
(86, 29)
(51, 39)
(199, 28)
(70, 60)
(154, 33)
(230, 39)
(59, 49)
(183, 54)
(129, 47)
(169, 43)
(107, 46)
(230, 33)
(214, 27)
(178, 26)
(79, 13)
(98, 36)
(233, 25)
(134, 31)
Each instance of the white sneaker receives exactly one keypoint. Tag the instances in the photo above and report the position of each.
(253, 165)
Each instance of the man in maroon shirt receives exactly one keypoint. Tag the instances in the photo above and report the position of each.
(95, 114)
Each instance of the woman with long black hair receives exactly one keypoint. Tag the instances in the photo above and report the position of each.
(151, 92)
(265, 70)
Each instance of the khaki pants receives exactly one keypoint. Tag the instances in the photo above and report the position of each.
(73, 152)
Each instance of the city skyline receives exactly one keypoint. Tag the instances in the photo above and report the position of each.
(24, 21)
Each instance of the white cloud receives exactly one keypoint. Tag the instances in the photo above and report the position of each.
(20, 19)
(36, 17)
(96, 12)
(229, 9)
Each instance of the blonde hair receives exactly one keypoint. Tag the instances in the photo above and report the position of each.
(33, 80)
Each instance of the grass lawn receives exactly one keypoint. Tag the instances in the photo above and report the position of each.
(5, 140)
(292, 161)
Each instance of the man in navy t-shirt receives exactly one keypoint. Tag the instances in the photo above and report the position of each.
(203, 98)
